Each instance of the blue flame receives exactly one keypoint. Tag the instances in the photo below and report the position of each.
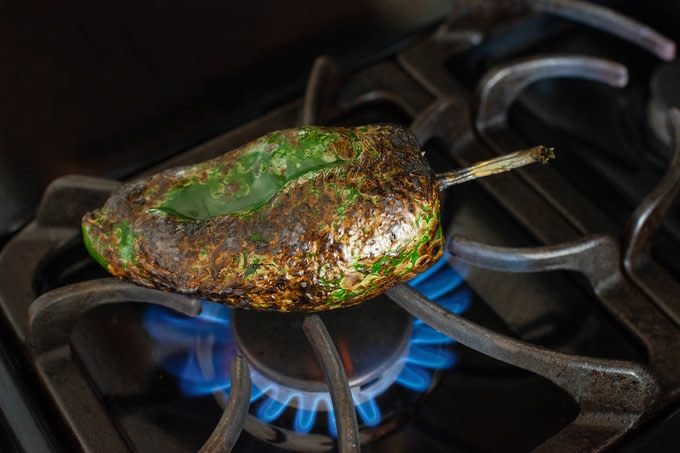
(332, 425)
(272, 408)
(436, 359)
(439, 283)
(423, 334)
(369, 412)
(304, 420)
(181, 340)
(415, 378)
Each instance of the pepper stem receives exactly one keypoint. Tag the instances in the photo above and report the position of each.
(496, 165)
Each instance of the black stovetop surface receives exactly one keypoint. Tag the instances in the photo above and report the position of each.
(490, 395)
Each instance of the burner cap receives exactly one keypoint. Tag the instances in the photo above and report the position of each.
(665, 93)
(371, 338)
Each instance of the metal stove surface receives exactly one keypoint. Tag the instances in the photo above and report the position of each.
(572, 337)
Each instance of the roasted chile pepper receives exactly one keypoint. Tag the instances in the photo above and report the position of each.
(307, 219)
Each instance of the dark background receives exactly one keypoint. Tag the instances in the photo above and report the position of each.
(106, 88)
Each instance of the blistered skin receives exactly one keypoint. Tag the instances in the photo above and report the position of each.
(305, 219)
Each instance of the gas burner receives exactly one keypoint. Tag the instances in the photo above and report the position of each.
(373, 342)
(665, 94)
(380, 345)
(372, 339)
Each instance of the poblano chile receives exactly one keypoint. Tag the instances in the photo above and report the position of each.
(307, 219)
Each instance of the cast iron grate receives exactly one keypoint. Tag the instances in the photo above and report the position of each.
(614, 396)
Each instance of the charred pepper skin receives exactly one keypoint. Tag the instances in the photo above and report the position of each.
(308, 219)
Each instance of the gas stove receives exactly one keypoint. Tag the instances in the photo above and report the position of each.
(552, 322)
